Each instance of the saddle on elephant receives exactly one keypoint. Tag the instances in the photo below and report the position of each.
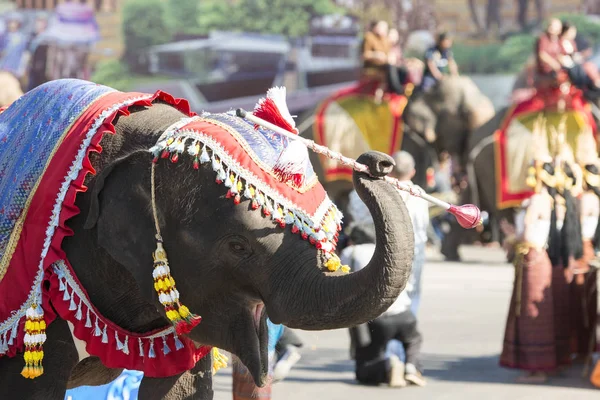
(563, 108)
(46, 138)
(351, 122)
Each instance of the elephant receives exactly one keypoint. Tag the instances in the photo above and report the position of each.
(482, 189)
(448, 114)
(235, 266)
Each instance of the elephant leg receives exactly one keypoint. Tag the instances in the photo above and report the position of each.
(60, 356)
(91, 372)
(194, 384)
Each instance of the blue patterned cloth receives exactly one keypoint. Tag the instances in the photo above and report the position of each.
(29, 131)
(126, 386)
(266, 144)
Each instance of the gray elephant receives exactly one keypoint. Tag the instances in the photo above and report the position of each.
(235, 246)
(448, 114)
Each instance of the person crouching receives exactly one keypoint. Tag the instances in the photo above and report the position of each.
(369, 341)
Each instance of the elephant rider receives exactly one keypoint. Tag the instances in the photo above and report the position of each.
(439, 61)
(375, 52)
(548, 50)
(369, 341)
(582, 74)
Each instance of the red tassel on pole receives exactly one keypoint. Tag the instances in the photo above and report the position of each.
(468, 215)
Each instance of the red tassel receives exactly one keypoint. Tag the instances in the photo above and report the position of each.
(196, 163)
(291, 164)
(165, 154)
(304, 235)
(468, 215)
(254, 204)
(274, 110)
(237, 199)
(218, 181)
(184, 327)
(228, 195)
(295, 229)
(175, 157)
(266, 211)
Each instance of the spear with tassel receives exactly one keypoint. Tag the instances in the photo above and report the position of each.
(468, 215)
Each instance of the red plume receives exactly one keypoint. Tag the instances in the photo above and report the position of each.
(293, 160)
(274, 109)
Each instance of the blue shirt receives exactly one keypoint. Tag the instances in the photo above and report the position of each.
(441, 58)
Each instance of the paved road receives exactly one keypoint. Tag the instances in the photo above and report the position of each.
(462, 319)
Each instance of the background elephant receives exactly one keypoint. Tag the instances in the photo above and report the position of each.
(236, 266)
(338, 189)
(448, 114)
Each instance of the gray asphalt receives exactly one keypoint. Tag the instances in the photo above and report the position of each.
(462, 318)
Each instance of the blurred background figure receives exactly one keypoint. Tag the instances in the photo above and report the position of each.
(13, 46)
(38, 50)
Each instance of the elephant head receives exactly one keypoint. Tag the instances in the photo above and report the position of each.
(449, 113)
(232, 263)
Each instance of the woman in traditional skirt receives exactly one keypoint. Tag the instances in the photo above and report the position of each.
(584, 290)
(565, 245)
(529, 342)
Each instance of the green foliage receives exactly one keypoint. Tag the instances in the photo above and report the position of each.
(145, 23)
(585, 26)
(183, 15)
(113, 73)
(286, 17)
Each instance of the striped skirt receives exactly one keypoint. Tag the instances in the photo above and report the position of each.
(529, 338)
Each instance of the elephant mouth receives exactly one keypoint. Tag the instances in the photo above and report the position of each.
(258, 311)
(259, 371)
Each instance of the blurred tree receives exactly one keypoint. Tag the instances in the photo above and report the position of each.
(183, 15)
(285, 17)
(404, 15)
(144, 24)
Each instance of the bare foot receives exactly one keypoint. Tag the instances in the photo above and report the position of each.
(533, 377)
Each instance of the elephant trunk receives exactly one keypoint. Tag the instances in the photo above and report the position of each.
(348, 300)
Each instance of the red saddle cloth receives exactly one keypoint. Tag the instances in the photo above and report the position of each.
(513, 154)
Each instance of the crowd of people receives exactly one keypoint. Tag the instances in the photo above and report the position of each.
(553, 242)
(44, 53)
(383, 61)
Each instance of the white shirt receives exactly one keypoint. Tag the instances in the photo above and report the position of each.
(357, 257)
(418, 209)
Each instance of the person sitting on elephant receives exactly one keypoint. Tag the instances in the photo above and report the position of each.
(548, 51)
(439, 61)
(375, 51)
(397, 73)
(370, 340)
(582, 74)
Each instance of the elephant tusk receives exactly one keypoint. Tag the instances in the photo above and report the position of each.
(468, 215)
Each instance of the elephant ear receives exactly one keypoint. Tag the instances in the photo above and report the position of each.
(119, 207)
(94, 207)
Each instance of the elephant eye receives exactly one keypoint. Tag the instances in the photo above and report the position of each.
(237, 248)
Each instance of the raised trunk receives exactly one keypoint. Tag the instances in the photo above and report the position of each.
(331, 302)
